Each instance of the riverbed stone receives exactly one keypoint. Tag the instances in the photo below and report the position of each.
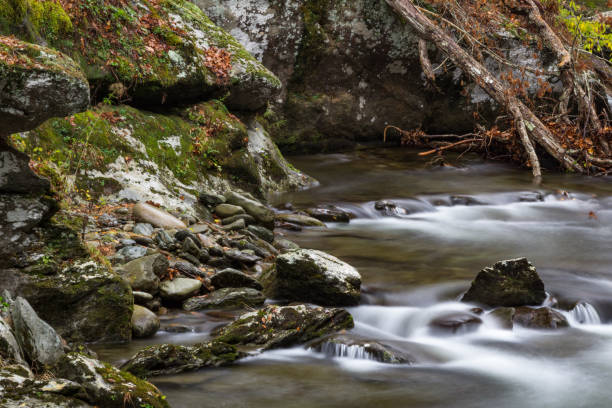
(226, 298)
(228, 210)
(143, 228)
(179, 289)
(39, 341)
(143, 273)
(349, 345)
(299, 219)
(509, 283)
(157, 217)
(262, 232)
(455, 323)
(329, 213)
(539, 318)
(128, 254)
(278, 327)
(262, 214)
(145, 323)
(232, 278)
(167, 359)
(313, 276)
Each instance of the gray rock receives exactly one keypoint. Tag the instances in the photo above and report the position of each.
(16, 176)
(167, 359)
(142, 297)
(455, 323)
(262, 232)
(143, 274)
(232, 278)
(145, 323)
(248, 220)
(182, 235)
(227, 298)
(228, 210)
(254, 208)
(107, 220)
(38, 340)
(329, 213)
(284, 245)
(277, 327)
(188, 269)
(147, 213)
(299, 219)
(128, 254)
(9, 348)
(242, 257)
(313, 276)
(539, 318)
(347, 345)
(211, 199)
(510, 283)
(235, 226)
(164, 240)
(179, 289)
(105, 385)
(143, 229)
(190, 247)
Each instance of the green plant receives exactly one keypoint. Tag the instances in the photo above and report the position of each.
(591, 35)
(3, 304)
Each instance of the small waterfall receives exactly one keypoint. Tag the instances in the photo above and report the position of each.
(355, 352)
(585, 313)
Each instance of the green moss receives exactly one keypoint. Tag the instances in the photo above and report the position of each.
(43, 19)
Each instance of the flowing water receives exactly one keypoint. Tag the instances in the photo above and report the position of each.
(414, 264)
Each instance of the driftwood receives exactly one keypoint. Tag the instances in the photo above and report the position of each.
(528, 125)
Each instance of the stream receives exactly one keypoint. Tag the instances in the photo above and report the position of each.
(415, 263)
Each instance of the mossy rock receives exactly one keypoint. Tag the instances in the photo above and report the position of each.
(37, 83)
(163, 52)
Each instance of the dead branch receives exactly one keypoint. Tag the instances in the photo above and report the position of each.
(425, 62)
(450, 146)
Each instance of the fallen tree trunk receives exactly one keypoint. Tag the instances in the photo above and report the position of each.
(529, 126)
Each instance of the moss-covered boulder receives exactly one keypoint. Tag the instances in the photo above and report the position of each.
(226, 298)
(37, 83)
(106, 386)
(313, 276)
(160, 52)
(509, 283)
(167, 359)
(83, 301)
(277, 327)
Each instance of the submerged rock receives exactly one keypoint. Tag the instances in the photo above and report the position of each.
(313, 276)
(276, 327)
(329, 213)
(145, 323)
(298, 219)
(226, 298)
(532, 318)
(166, 359)
(508, 283)
(455, 323)
(343, 345)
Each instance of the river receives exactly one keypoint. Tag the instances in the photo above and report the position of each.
(414, 265)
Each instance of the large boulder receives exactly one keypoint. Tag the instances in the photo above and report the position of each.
(226, 298)
(166, 52)
(145, 323)
(40, 343)
(277, 327)
(83, 302)
(107, 386)
(166, 359)
(509, 283)
(38, 83)
(313, 276)
(143, 273)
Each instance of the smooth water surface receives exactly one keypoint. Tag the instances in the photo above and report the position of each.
(414, 265)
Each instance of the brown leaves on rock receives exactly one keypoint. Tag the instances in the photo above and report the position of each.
(219, 62)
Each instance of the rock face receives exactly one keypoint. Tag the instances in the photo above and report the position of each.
(313, 276)
(169, 359)
(38, 84)
(41, 344)
(185, 56)
(145, 323)
(350, 67)
(508, 283)
(277, 327)
(84, 302)
(146, 213)
(227, 298)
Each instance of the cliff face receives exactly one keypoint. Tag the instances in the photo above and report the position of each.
(352, 67)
